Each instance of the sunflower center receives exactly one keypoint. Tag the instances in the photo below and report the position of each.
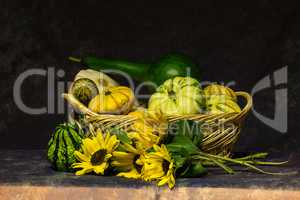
(136, 166)
(165, 166)
(98, 157)
(107, 93)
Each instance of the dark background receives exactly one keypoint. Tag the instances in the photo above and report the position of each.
(241, 41)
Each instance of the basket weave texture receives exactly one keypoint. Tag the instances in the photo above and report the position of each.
(220, 133)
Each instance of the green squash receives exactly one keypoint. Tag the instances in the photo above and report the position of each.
(65, 140)
(173, 65)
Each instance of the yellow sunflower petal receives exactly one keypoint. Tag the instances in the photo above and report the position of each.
(107, 157)
(163, 181)
(132, 134)
(112, 144)
(154, 139)
(100, 138)
(99, 169)
(164, 149)
(130, 148)
(153, 173)
(151, 177)
(107, 138)
(84, 171)
(156, 148)
(131, 174)
(126, 163)
(81, 165)
(153, 168)
(123, 155)
(140, 161)
(155, 156)
(89, 146)
(171, 167)
(81, 157)
(171, 182)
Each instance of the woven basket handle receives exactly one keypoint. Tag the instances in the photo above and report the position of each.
(249, 102)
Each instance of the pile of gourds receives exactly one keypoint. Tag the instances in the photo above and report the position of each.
(175, 92)
(176, 96)
(146, 144)
(101, 94)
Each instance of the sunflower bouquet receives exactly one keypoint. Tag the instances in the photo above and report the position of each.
(144, 154)
(111, 134)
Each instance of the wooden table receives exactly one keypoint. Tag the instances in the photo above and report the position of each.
(26, 174)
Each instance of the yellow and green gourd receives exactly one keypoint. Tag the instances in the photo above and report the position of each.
(220, 99)
(180, 95)
(88, 83)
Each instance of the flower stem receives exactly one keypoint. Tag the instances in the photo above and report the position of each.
(214, 162)
(254, 156)
(221, 160)
(74, 59)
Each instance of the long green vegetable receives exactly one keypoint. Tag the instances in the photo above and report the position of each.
(167, 67)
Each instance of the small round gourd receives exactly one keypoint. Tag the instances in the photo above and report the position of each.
(180, 95)
(218, 104)
(219, 90)
(84, 90)
(113, 100)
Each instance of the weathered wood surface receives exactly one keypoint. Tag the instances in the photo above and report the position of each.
(28, 175)
(144, 193)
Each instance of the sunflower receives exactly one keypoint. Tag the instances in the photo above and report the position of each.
(144, 136)
(159, 166)
(96, 153)
(128, 162)
(146, 133)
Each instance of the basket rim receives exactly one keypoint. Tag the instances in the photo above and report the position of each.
(235, 116)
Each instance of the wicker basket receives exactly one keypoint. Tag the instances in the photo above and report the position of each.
(221, 131)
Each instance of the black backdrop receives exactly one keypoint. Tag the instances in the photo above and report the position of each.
(241, 41)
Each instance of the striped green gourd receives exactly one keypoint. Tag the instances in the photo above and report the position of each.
(63, 142)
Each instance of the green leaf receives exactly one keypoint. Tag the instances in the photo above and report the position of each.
(182, 163)
(179, 160)
(121, 148)
(121, 135)
(188, 128)
(182, 145)
(186, 143)
(177, 148)
(195, 170)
